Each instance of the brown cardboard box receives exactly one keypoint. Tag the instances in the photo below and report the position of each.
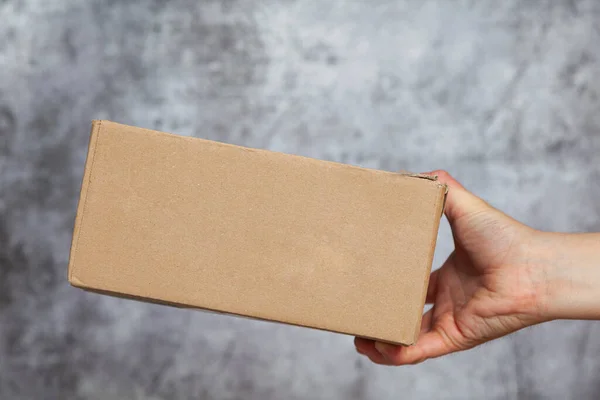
(200, 224)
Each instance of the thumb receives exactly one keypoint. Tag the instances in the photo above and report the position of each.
(459, 201)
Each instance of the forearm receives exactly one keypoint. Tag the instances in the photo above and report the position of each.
(570, 264)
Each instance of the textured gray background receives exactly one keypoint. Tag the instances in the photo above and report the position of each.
(504, 94)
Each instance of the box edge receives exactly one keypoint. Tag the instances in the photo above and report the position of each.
(439, 212)
(80, 213)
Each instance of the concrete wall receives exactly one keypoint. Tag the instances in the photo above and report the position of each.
(503, 94)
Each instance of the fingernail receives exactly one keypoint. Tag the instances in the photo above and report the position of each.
(384, 349)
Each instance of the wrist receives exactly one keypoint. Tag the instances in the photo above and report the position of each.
(568, 267)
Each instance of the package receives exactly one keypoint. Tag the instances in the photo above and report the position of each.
(201, 224)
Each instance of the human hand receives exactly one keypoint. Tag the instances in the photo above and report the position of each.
(488, 287)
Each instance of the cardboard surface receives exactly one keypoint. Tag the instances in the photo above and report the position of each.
(201, 224)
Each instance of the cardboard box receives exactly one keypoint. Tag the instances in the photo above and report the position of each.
(201, 224)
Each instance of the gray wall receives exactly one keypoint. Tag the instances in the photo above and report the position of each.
(503, 94)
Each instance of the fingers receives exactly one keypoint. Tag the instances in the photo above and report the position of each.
(387, 354)
(367, 348)
(459, 201)
(445, 177)
(431, 344)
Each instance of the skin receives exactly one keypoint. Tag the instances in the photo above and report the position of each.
(502, 276)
